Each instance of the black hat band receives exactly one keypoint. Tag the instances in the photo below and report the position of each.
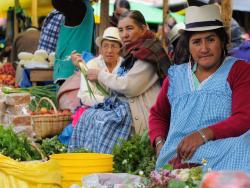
(204, 24)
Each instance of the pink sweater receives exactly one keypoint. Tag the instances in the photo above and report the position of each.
(235, 125)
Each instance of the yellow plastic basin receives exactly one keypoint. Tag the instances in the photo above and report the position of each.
(76, 165)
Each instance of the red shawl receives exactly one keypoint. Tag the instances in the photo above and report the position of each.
(147, 48)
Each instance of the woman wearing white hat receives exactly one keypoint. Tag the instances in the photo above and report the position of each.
(136, 86)
(202, 110)
(109, 59)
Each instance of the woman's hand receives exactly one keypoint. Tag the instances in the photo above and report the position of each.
(76, 58)
(190, 143)
(93, 74)
(159, 142)
(158, 148)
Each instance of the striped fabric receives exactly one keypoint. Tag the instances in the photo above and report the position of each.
(102, 125)
(196, 108)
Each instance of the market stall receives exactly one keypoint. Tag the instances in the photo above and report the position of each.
(132, 161)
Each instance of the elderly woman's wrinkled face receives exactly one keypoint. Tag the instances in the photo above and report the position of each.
(129, 30)
(206, 49)
(110, 50)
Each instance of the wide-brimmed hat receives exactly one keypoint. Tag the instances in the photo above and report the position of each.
(111, 33)
(174, 32)
(203, 18)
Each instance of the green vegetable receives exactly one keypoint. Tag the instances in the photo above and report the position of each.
(17, 147)
(176, 184)
(82, 150)
(83, 69)
(196, 173)
(53, 146)
(168, 167)
(37, 92)
(134, 155)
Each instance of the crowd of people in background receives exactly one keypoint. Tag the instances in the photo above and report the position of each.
(192, 97)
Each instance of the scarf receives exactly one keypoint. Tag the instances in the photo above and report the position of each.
(149, 49)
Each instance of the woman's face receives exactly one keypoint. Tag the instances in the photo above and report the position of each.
(129, 31)
(206, 49)
(110, 51)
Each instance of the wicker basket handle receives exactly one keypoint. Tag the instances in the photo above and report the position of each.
(48, 100)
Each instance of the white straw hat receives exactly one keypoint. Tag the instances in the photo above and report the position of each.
(174, 32)
(203, 18)
(111, 33)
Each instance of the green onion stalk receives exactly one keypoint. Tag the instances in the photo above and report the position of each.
(37, 92)
(101, 89)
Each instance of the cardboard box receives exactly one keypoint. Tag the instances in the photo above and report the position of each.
(21, 109)
(17, 98)
(18, 120)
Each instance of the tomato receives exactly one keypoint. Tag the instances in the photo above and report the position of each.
(51, 111)
(66, 112)
(32, 113)
(43, 110)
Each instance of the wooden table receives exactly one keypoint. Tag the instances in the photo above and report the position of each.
(40, 75)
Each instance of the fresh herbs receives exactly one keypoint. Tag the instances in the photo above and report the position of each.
(16, 146)
(134, 156)
(53, 146)
(178, 178)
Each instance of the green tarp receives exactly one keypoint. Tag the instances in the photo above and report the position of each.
(152, 14)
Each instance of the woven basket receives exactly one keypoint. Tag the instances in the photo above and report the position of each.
(48, 125)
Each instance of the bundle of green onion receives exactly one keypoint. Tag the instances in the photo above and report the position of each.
(101, 89)
(37, 92)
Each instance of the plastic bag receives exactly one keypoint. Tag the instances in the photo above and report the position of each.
(65, 135)
(34, 174)
(87, 56)
(117, 180)
(226, 180)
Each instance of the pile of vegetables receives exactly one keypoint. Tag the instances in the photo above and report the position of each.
(37, 92)
(7, 74)
(135, 156)
(178, 178)
(53, 146)
(17, 147)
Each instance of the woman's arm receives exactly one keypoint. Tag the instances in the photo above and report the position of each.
(239, 122)
(138, 79)
(83, 93)
(235, 125)
(159, 118)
